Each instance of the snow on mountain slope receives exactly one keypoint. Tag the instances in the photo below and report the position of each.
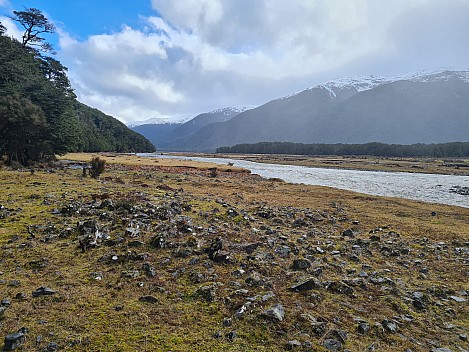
(160, 121)
(369, 82)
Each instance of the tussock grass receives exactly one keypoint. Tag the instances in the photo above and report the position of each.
(87, 314)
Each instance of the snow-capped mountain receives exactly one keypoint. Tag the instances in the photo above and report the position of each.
(421, 107)
(364, 83)
(167, 135)
(160, 121)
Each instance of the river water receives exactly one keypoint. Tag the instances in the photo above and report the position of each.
(424, 187)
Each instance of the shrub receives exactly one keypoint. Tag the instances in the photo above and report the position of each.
(97, 167)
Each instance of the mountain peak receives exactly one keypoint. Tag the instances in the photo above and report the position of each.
(160, 121)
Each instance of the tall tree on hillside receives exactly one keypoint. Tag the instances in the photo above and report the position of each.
(56, 73)
(35, 24)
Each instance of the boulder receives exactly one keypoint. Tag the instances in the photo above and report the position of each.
(43, 291)
(13, 341)
(301, 264)
(292, 345)
(148, 299)
(332, 345)
(275, 313)
(309, 284)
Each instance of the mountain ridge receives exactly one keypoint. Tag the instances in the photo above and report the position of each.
(427, 107)
(165, 136)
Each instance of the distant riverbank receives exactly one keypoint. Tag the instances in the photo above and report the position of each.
(434, 188)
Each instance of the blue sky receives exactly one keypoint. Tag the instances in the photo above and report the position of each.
(141, 59)
(82, 18)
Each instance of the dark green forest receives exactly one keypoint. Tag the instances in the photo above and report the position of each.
(40, 116)
(454, 149)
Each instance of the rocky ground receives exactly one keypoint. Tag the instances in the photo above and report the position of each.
(158, 259)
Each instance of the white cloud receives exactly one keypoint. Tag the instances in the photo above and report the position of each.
(4, 3)
(12, 29)
(204, 54)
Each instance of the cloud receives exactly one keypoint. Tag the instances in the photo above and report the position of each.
(4, 3)
(12, 29)
(198, 55)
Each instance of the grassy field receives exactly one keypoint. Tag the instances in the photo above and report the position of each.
(148, 281)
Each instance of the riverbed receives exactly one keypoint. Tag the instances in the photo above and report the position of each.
(417, 186)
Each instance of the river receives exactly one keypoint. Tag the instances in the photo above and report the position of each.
(417, 186)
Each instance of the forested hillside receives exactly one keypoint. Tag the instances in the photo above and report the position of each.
(39, 113)
(455, 149)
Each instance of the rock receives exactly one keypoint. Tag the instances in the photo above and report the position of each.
(215, 246)
(283, 250)
(238, 273)
(441, 349)
(21, 296)
(159, 241)
(43, 291)
(132, 231)
(339, 287)
(458, 299)
(419, 300)
(13, 341)
(39, 264)
(227, 322)
(149, 270)
(291, 345)
(208, 292)
(301, 264)
(231, 335)
(267, 296)
(363, 327)
(130, 274)
(249, 248)
(255, 280)
(89, 234)
(136, 244)
(242, 310)
(309, 284)
(183, 253)
(338, 334)
(318, 326)
(221, 257)
(148, 299)
(348, 233)
(332, 345)
(276, 313)
(51, 347)
(390, 326)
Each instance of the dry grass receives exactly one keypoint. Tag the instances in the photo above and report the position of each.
(105, 315)
(130, 159)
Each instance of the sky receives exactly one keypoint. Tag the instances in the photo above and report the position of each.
(142, 59)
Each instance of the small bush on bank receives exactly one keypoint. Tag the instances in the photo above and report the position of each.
(97, 167)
